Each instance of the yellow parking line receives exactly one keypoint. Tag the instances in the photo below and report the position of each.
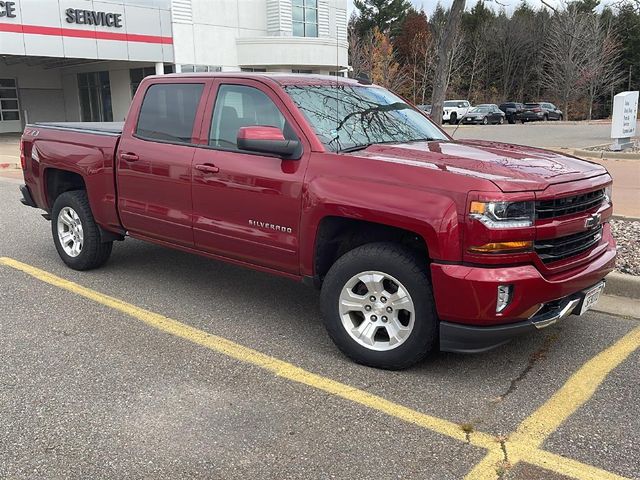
(521, 446)
(577, 390)
(248, 355)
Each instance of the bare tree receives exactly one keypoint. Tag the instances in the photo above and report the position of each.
(444, 58)
(565, 54)
(601, 70)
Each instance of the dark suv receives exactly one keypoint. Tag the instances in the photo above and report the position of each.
(540, 111)
(512, 110)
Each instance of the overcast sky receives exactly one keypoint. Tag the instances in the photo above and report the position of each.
(430, 5)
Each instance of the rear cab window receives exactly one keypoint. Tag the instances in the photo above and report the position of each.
(168, 112)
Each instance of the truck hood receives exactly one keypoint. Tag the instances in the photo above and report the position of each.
(512, 168)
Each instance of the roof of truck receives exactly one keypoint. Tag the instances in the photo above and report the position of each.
(281, 78)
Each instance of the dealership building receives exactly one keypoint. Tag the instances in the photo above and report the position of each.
(82, 60)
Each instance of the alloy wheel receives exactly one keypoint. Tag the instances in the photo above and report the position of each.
(376, 310)
(70, 231)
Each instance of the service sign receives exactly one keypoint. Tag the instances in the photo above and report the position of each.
(625, 115)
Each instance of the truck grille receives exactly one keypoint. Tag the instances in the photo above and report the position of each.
(552, 250)
(568, 205)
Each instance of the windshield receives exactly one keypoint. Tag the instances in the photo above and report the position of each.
(348, 116)
(480, 110)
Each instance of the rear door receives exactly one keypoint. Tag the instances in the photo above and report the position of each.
(247, 205)
(154, 160)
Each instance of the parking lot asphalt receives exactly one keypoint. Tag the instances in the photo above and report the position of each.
(167, 365)
(539, 134)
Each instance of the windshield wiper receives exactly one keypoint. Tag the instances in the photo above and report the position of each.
(355, 148)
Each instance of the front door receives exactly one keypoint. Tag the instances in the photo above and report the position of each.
(154, 163)
(246, 205)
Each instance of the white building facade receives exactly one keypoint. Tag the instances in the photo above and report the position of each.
(82, 60)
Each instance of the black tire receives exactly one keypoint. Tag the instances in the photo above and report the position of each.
(93, 253)
(545, 118)
(501, 121)
(523, 121)
(453, 118)
(485, 121)
(394, 260)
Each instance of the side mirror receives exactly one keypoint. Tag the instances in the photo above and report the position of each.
(268, 140)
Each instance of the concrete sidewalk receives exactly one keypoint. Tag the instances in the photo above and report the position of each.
(626, 185)
(9, 151)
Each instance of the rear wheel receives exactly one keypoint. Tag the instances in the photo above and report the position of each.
(501, 121)
(76, 234)
(378, 307)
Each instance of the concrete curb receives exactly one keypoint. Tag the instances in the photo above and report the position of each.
(578, 152)
(623, 285)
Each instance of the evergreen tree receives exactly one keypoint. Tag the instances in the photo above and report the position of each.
(627, 25)
(385, 15)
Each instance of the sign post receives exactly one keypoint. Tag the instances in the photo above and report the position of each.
(623, 123)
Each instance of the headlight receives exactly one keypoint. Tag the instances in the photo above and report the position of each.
(503, 214)
(608, 193)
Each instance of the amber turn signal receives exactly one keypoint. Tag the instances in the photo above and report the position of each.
(503, 247)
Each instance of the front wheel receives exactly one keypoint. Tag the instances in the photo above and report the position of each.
(378, 307)
(453, 119)
(485, 121)
(501, 121)
(76, 234)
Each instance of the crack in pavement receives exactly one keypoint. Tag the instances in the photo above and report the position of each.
(534, 358)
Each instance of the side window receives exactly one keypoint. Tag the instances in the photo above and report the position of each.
(241, 106)
(168, 112)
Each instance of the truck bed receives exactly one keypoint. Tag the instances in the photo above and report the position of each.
(100, 128)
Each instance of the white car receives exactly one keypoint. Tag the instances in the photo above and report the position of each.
(454, 110)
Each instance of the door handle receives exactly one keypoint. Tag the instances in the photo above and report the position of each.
(129, 157)
(207, 168)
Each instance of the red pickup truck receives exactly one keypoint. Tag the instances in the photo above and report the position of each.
(418, 242)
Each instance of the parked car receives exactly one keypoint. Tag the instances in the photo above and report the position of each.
(512, 110)
(484, 114)
(540, 111)
(454, 110)
(425, 108)
(417, 241)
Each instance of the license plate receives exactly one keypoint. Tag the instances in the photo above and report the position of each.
(591, 297)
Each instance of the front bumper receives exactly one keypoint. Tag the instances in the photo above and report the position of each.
(471, 120)
(466, 298)
(455, 337)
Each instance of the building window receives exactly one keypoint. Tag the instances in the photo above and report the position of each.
(297, 70)
(200, 68)
(9, 109)
(252, 69)
(136, 75)
(95, 97)
(305, 18)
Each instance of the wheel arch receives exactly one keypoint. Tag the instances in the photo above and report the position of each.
(57, 181)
